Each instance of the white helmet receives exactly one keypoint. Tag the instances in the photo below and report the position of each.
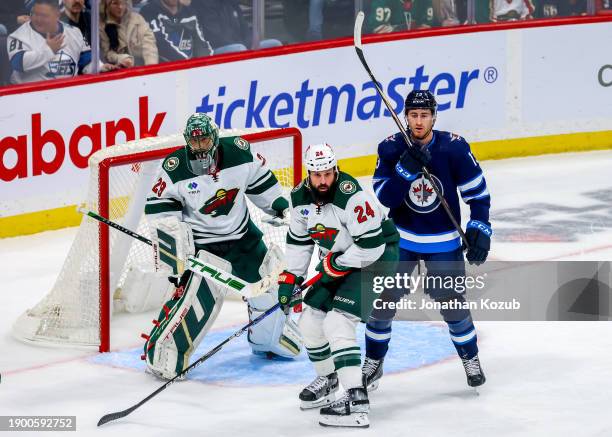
(320, 157)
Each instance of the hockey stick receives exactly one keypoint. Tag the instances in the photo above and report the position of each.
(199, 267)
(359, 50)
(120, 414)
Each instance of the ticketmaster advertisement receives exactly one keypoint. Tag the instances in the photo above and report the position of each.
(489, 85)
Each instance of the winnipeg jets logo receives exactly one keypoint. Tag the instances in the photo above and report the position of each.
(422, 197)
(221, 203)
(61, 65)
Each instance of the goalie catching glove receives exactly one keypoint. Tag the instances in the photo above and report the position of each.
(331, 270)
(287, 282)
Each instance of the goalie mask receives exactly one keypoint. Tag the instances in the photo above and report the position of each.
(202, 140)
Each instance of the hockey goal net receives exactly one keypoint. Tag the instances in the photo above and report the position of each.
(77, 310)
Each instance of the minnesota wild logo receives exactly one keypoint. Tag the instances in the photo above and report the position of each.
(221, 203)
(324, 236)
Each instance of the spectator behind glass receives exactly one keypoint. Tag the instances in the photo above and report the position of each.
(419, 14)
(44, 48)
(446, 13)
(76, 15)
(177, 30)
(125, 37)
(315, 20)
(225, 26)
(603, 7)
(511, 10)
(560, 8)
(395, 15)
(13, 14)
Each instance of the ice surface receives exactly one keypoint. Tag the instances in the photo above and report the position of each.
(546, 378)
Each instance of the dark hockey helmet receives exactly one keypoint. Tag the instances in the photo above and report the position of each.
(421, 99)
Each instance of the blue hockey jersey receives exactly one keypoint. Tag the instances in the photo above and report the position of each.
(422, 222)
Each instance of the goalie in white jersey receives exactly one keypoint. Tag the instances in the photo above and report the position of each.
(45, 48)
(204, 187)
(352, 232)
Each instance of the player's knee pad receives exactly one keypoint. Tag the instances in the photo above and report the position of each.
(339, 329)
(146, 286)
(184, 321)
(310, 325)
(276, 333)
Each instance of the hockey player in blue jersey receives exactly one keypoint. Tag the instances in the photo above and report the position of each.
(425, 228)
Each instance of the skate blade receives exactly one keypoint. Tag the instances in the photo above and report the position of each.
(355, 420)
(323, 402)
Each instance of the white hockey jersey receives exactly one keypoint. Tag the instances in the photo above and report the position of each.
(33, 60)
(214, 205)
(351, 224)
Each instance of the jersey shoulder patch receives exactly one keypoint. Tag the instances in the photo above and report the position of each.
(451, 143)
(346, 187)
(235, 151)
(175, 166)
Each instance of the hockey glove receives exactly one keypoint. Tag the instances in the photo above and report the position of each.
(280, 206)
(479, 238)
(330, 269)
(281, 213)
(412, 161)
(287, 282)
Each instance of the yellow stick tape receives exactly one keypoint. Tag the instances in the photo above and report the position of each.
(30, 223)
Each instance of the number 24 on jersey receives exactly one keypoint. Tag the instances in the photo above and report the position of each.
(363, 213)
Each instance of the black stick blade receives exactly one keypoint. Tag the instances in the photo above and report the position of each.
(114, 416)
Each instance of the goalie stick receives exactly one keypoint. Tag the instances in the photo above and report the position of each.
(199, 267)
(120, 414)
(359, 50)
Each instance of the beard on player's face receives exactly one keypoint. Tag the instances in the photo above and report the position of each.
(323, 187)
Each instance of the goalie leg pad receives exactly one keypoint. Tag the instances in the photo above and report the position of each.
(183, 322)
(146, 286)
(277, 333)
(142, 291)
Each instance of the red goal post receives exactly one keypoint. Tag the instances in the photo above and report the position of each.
(64, 317)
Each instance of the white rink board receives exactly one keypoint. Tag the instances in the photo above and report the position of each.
(495, 85)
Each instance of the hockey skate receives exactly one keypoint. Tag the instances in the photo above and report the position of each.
(351, 410)
(371, 372)
(320, 392)
(473, 371)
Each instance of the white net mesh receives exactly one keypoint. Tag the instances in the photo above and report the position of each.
(70, 313)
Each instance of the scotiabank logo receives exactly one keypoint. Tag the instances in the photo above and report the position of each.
(32, 157)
